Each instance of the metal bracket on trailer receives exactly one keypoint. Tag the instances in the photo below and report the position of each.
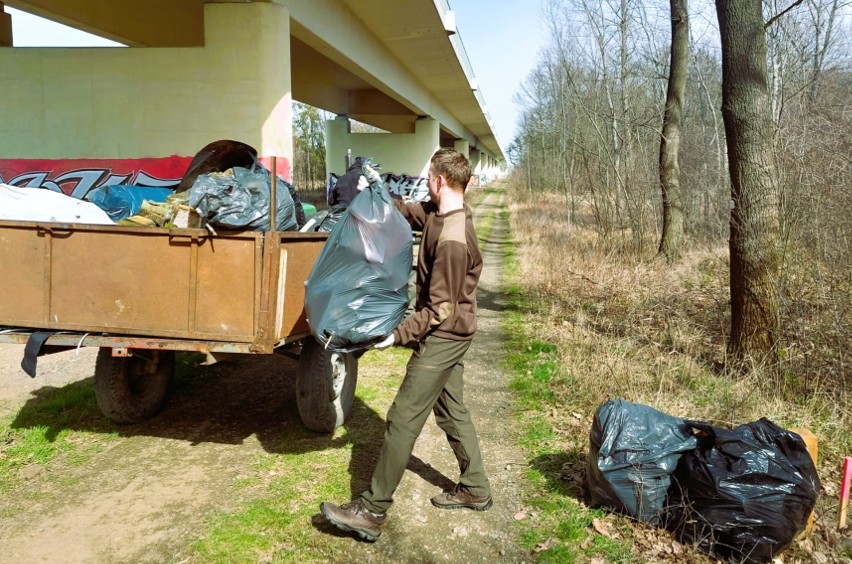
(124, 345)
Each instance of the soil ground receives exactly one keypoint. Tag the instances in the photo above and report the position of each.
(144, 497)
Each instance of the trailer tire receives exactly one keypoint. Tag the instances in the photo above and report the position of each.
(325, 386)
(131, 389)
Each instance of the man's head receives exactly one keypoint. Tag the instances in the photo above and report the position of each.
(453, 168)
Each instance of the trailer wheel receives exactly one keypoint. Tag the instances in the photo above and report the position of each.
(326, 386)
(130, 389)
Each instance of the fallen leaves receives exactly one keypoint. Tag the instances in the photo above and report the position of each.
(604, 528)
(574, 472)
(546, 545)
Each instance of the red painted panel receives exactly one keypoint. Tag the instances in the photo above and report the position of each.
(76, 177)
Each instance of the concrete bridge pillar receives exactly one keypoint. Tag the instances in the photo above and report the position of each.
(5, 28)
(337, 132)
(476, 161)
(462, 146)
(399, 153)
(133, 110)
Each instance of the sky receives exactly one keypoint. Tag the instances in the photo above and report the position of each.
(502, 39)
(32, 31)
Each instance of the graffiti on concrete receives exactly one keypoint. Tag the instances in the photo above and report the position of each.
(415, 188)
(77, 177)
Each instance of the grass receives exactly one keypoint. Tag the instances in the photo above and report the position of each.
(588, 323)
(284, 500)
(562, 530)
(584, 324)
(59, 423)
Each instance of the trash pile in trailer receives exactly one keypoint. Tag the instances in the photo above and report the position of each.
(225, 186)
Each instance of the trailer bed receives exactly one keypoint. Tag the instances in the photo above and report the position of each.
(181, 289)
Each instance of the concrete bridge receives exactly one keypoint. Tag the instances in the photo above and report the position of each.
(196, 71)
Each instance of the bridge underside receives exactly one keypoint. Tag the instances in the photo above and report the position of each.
(381, 62)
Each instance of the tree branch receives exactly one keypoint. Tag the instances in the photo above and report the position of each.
(778, 15)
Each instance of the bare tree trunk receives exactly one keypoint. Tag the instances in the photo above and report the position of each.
(672, 237)
(754, 236)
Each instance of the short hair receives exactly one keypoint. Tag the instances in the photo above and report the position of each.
(453, 166)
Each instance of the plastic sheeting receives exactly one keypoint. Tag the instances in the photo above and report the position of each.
(217, 156)
(39, 204)
(358, 289)
(744, 494)
(330, 218)
(634, 449)
(121, 201)
(239, 199)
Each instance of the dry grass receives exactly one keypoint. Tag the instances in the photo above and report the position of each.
(636, 328)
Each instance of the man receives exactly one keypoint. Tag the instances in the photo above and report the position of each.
(348, 185)
(440, 331)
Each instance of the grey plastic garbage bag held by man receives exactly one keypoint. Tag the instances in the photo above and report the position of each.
(440, 332)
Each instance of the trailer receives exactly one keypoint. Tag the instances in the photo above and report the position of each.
(141, 295)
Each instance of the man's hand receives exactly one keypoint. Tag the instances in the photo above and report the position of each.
(362, 182)
(385, 343)
(371, 175)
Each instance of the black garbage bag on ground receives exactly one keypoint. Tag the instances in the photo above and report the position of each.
(743, 494)
(633, 451)
(358, 289)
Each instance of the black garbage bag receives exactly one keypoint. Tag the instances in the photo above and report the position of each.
(217, 156)
(346, 187)
(744, 494)
(357, 291)
(225, 154)
(330, 218)
(633, 451)
(239, 199)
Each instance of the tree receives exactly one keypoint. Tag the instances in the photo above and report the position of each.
(309, 146)
(754, 223)
(673, 212)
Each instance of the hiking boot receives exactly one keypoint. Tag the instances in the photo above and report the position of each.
(459, 498)
(355, 518)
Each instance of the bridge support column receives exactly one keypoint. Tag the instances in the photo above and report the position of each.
(337, 133)
(399, 153)
(475, 161)
(153, 104)
(5, 28)
(462, 146)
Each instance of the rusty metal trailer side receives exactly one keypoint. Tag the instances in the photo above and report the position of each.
(179, 289)
(141, 294)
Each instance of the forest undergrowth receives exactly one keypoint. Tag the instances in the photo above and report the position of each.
(591, 321)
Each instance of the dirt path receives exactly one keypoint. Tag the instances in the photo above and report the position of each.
(418, 532)
(143, 497)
